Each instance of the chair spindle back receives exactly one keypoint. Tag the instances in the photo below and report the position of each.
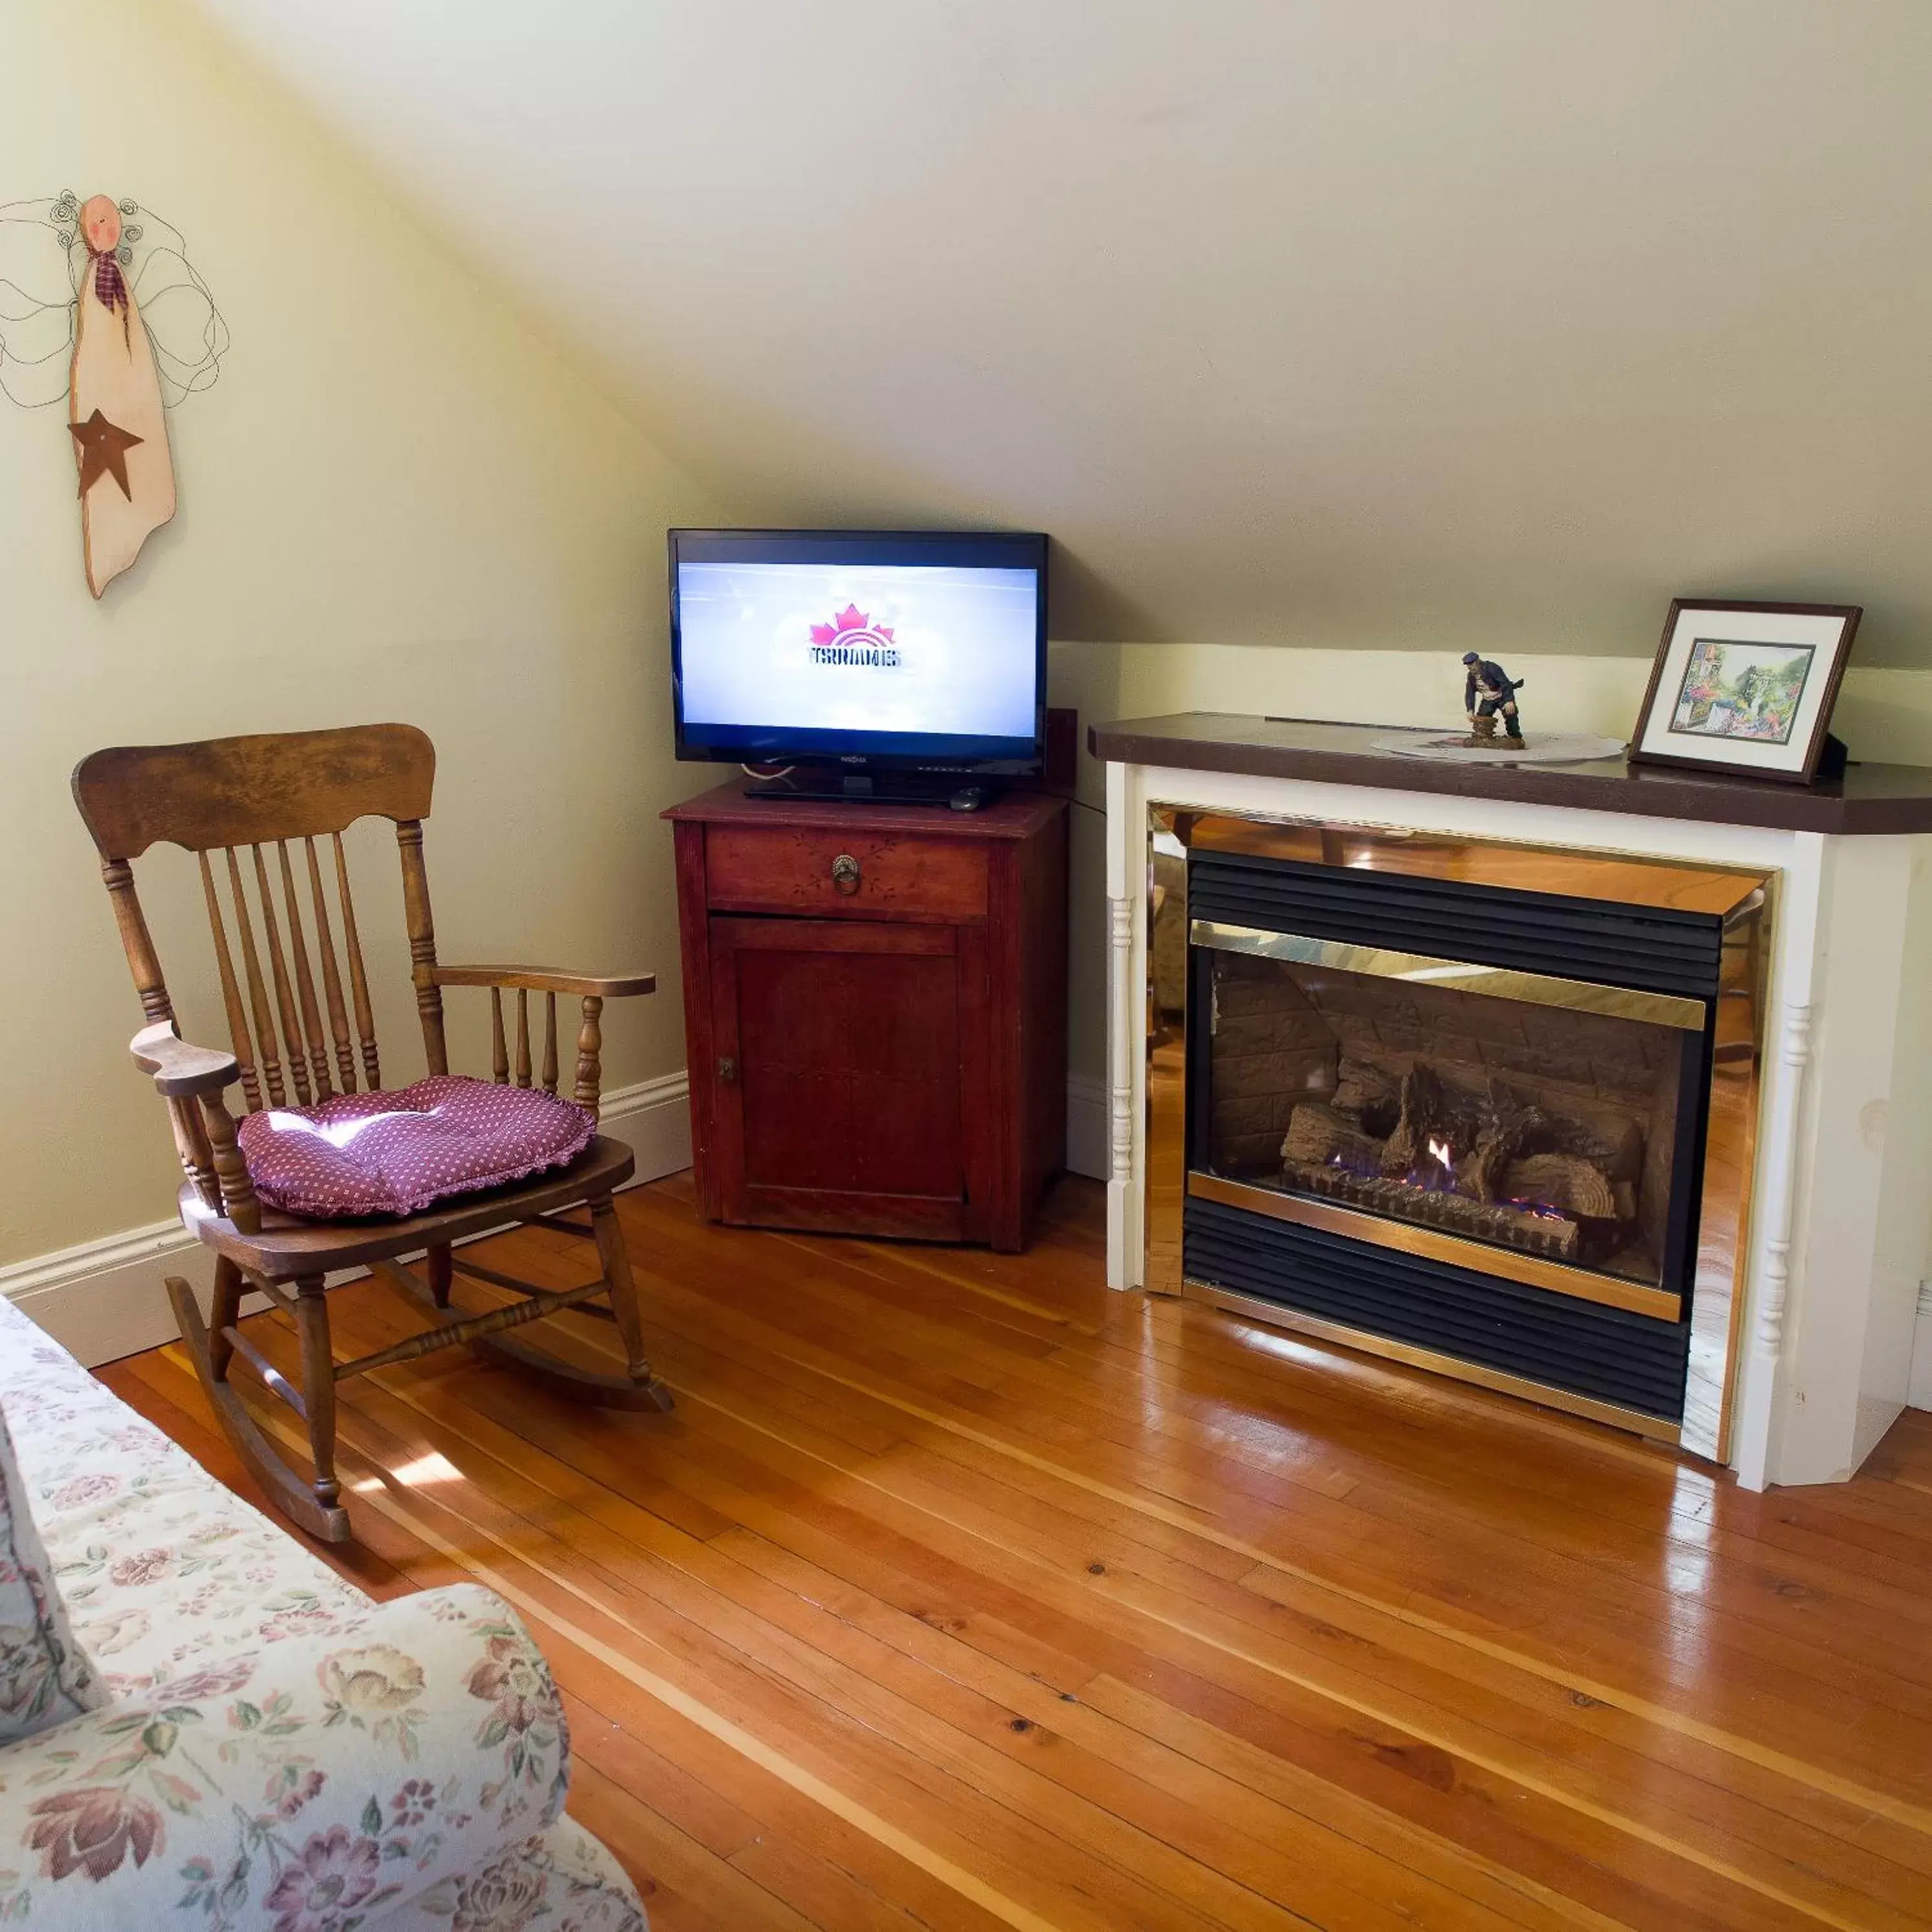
(307, 1074)
(240, 805)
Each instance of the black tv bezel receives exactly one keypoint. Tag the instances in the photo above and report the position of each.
(858, 752)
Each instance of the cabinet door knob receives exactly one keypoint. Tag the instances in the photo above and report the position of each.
(727, 1069)
(845, 873)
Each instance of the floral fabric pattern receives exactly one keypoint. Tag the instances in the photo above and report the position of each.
(267, 1747)
(45, 1675)
(289, 1794)
(161, 1570)
(563, 1882)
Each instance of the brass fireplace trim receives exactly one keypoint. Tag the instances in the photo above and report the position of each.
(1258, 1308)
(1623, 878)
(1459, 975)
(1745, 900)
(1411, 1237)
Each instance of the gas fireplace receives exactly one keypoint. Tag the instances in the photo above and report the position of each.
(1514, 1114)
(1480, 1106)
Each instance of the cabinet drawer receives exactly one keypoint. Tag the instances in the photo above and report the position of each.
(751, 870)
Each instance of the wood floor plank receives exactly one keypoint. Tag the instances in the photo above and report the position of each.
(731, 1506)
(959, 1592)
(1392, 1878)
(1590, 1755)
(1791, 1598)
(737, 1504)
(673, 1870)
(1806, 1689)
(1076, 1867)
(813, 1860)
(972, 1736)
(1786, 1589)
(1187, 1625)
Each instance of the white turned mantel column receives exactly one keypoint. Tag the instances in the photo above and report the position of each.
(1842, 1186)
(1126, 982)
(1774, 1190)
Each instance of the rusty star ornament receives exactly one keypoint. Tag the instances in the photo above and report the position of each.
(103, 452)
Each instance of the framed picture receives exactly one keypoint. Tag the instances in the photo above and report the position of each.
(1745, 688)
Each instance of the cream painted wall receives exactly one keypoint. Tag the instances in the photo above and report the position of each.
(1297, 321)
(396, 502)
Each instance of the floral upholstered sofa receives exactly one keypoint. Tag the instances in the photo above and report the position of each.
(275, 1750)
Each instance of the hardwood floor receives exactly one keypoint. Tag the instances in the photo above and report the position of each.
(959, 1593)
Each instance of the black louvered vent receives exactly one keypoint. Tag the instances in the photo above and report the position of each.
(1654, 951)
(1605, 1353)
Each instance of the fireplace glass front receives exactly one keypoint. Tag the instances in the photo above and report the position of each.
(1484, 1108)
(1528, 1126)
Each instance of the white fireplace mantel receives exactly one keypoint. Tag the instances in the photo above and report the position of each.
(1842, 1191)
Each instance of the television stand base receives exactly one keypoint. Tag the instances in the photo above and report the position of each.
(959, 790)
(875, 1002)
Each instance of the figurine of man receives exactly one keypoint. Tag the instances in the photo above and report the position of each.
(1488, 690)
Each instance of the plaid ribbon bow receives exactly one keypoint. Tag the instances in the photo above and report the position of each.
(110, 285)
(110, 289)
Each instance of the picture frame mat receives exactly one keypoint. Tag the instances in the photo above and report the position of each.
(1828, 628)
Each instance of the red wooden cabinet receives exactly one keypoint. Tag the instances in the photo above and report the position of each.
(875, 1012)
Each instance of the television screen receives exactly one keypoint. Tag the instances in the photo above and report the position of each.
(925, 651)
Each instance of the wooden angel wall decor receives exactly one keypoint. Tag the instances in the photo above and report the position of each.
(135, 330)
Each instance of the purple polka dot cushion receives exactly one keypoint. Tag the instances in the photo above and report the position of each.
(399, 1153)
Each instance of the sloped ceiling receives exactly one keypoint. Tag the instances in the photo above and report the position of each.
(1316, 321)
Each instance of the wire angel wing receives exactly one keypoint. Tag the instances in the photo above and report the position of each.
(189, 336)
(42, 260)
(38, 293)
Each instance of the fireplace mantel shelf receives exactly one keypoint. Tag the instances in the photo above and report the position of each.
(1869, 799)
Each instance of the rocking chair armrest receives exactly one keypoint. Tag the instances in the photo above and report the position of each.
(548, 979)
(181, 1070)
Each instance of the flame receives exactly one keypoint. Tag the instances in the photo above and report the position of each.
(1541, 1210)
(1438, 1151)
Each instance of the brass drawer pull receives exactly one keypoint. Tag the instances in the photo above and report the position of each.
(845, 873)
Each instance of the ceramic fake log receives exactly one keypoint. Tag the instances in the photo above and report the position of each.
(1435, 1113)
(1503, 1138)
(1318, 1135)
(1566, 1182)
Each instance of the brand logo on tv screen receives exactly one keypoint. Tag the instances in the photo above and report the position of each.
(853, 638)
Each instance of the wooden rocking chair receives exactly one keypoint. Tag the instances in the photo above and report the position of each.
(240, 805)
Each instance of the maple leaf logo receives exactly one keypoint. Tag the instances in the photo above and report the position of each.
(850, 618)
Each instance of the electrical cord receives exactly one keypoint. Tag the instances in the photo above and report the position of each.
(1098, 810)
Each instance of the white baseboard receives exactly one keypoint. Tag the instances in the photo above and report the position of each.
(1087, 1151)
(105, 1299)
(1920, 1394)
(654, 1117)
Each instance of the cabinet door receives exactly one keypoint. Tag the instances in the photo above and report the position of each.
(851, 1058)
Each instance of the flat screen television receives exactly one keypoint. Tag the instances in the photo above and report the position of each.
(870, 662)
